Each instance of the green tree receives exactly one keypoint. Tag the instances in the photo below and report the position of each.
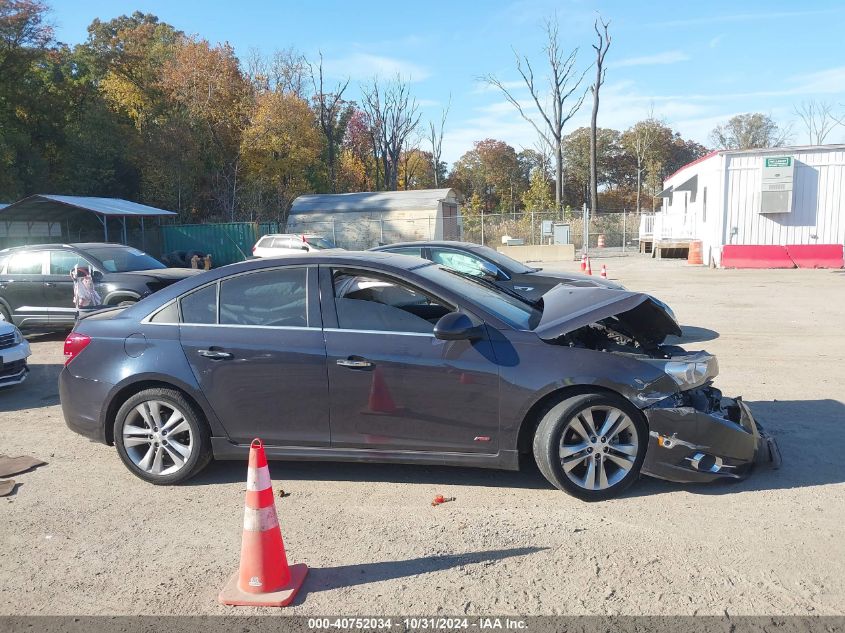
(538, 197)
(749, 131)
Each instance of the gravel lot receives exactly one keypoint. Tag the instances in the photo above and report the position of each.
(83, 536)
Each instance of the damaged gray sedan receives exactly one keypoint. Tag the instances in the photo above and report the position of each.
(382, 357)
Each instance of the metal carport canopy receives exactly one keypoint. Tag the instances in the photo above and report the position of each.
(51, 208)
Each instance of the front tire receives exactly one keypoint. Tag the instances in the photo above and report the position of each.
(161, 437)
(591, 446)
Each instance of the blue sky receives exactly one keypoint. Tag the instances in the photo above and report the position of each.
(697, 64)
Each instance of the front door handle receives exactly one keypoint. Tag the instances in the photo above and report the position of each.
(49, 284)
(355, 363)
(214, 354)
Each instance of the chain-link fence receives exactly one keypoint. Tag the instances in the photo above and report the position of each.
(615, 232)
(609, 232)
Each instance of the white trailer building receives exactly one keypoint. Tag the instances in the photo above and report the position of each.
(365, 219)
(780, 196)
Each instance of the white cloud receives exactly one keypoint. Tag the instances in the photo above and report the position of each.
(716, 41)
(743, 17)
(667, 57)
(363, 66)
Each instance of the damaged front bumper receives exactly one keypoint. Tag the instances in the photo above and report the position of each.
(700, 436)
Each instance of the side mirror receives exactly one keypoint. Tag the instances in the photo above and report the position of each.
(489, 271)
(456, 326)
(303, 248)
(97, 276)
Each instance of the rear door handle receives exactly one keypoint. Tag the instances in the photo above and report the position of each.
(49, 284)
(214, 354)
(354, 363)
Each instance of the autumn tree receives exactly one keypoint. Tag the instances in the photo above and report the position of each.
(492, 170)
(564, 95)
(333, 115)
(281, 150)
(749, 131)
(538, 196)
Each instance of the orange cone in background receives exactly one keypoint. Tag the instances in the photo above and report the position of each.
(583, 262)
(603, 273)
(264, 578)
(589, 267)
(380, 399)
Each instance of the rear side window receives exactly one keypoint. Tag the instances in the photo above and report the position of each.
(26, 263)
(169, 314)
(413, 252)
(273, 298)
(265, 242)
(200, 307)
(62, 262)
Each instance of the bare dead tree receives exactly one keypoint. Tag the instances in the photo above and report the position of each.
(818, 119)
(436, 138)
(333, 116)
(564, 83)
(645, 135)
(392, 115)
(288, 72)
(601, 48)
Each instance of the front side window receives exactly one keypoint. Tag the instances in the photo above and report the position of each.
(200, 307)
(62, 262)
(273, 298)
(460, 261)
(368, 302)
(26, 263)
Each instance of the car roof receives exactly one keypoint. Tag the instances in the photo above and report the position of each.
(78, 245)
(333, 257)
(290, 235)
(423, 243)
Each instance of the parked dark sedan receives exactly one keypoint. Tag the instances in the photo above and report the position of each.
(475, 259)
(381, 357)
(36, 289)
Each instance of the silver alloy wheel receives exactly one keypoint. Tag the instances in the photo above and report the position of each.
(157, 437)
(598, 447)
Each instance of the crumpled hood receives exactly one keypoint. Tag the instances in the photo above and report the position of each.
(567, 308)
(580, 279)
(166, 274)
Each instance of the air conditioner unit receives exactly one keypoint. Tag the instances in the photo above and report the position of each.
(776, 196)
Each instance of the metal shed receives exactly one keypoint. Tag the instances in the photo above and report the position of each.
(761, 197)
(74, 218)
(366, 219)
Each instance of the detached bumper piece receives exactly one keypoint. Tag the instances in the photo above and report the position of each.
(700, 436)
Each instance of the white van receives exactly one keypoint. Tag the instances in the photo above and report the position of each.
(289, 244)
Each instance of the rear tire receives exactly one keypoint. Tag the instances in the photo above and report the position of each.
(161, 437)
(574, 455)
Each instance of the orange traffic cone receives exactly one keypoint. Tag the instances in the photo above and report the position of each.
(264, 578)
(603, 273)
(589, 267)
(380, 399)
(583, 262)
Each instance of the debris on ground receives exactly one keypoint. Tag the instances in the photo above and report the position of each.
(283, 494)
(15, 465)
(438, 499)
(6, 487)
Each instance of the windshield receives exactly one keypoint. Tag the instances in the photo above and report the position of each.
(503, 261)
(319, 243)
(123, 259)
(511, 310)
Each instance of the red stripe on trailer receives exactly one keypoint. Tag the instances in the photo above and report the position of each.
(816, 255)
(755, 256)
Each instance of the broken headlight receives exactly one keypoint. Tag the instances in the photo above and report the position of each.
(691, 371)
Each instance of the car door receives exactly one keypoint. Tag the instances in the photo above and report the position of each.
(22, 285)
(393, 385)
(58, 285)
(255, 345)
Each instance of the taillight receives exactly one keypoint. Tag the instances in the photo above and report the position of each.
(254, 246)
(74, 344)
